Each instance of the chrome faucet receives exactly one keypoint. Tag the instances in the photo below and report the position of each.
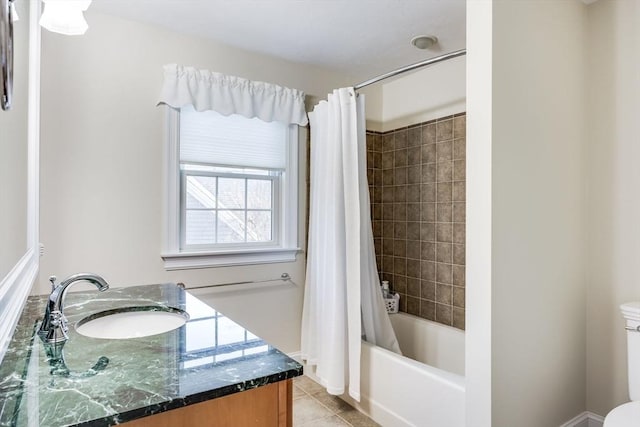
(53, 329)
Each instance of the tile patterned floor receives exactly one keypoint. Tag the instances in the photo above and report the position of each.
(314, 407)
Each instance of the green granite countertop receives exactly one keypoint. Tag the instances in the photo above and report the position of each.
(210, 356)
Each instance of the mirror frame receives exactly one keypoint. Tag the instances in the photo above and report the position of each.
(6, 54)
(17, 284)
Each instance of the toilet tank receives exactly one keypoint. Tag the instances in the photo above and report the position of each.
(631, 313)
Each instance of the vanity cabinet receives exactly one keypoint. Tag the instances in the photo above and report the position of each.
(266, 406)
(210, 372)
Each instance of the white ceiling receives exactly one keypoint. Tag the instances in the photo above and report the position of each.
(362, 38)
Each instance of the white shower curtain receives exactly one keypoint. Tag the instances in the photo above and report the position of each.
(343, 302)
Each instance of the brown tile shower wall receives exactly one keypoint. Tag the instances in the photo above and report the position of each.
(417, 185)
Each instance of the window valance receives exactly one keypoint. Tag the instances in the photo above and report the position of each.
(207, 90)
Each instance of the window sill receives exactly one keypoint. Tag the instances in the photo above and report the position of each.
(194, 260)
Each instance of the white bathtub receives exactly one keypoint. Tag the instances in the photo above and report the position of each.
(425, 389)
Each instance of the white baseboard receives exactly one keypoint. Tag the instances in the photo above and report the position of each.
(585, 419)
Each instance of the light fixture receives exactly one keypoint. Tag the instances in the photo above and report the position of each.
(424, 42)
(65, 16)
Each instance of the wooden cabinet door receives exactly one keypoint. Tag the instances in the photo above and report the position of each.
(267, 406)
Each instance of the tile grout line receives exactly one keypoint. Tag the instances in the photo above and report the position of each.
(332, 412)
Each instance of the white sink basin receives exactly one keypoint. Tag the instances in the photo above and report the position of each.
(131, 322)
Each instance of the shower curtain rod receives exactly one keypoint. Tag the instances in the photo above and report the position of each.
(411, 67)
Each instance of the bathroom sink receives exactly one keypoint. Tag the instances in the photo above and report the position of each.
(131, 322)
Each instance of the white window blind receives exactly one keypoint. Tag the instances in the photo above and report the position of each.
(211, 138)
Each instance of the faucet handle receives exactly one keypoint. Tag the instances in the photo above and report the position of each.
(56, 318)
(57, 333)
(53, 279)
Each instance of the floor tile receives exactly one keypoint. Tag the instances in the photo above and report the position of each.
(332, 421)
(307, 409)
(334, 403)
(357, 419)
(298, 392)
(308, 385)
(314, 407)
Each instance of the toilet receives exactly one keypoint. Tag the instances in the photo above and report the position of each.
(628, 414)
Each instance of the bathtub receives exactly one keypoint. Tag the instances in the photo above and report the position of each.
(425, 387)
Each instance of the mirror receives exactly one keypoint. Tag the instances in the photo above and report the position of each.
(14, 140)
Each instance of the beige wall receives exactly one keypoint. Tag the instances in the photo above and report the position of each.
(558, 344)
(613, 67)
(101, 154)
(373, 107)
(538, 213)
(536, 218)
(13, 153)
(427, 94)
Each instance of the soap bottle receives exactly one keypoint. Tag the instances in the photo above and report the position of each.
(385, 289)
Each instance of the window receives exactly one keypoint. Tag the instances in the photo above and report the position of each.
(232, 190)
(227, 206)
